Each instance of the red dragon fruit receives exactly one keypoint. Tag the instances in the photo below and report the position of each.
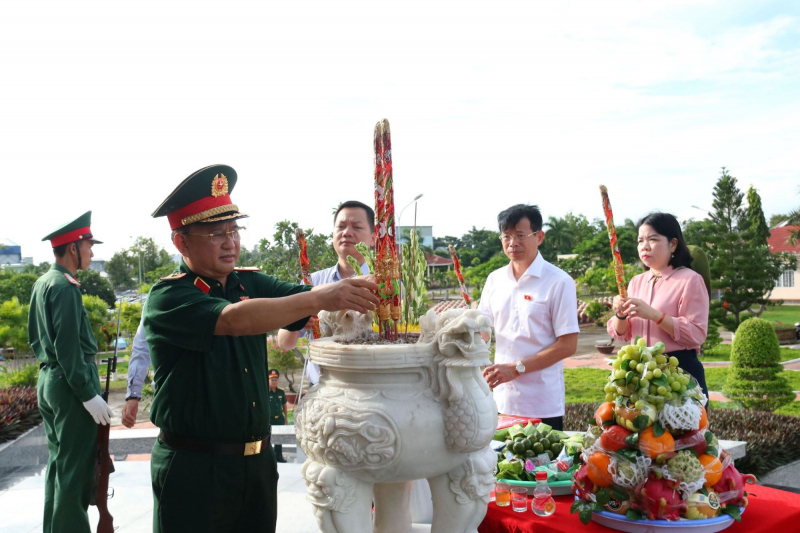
(730, 486)
(659, 499)
(583, 486)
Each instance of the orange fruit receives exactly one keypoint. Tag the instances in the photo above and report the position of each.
(712, 469)
(604, 412)
(653, 446)
(703, 418)
(597, 469)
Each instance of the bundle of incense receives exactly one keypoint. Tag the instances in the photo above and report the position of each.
(305, 269)
(459, 275)
(619, 270)
(387, 264)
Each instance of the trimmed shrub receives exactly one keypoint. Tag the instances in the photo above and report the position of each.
(19, 411)
(754, 378)
(26, 376)
(772, 440)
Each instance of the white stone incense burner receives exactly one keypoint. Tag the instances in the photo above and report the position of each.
(384, 415)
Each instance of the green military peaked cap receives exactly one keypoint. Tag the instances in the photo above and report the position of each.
(274, 373)
(77, 230)
(202, 197)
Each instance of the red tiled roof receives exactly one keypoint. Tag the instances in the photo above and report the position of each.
(449, 304)
(435, 260)
(779, 240)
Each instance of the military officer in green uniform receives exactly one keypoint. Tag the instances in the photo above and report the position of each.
(69, 387)
(212, 467)
(278, 410)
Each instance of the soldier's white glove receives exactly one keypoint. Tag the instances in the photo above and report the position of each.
(99, 410)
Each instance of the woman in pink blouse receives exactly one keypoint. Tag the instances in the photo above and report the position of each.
(668, 302)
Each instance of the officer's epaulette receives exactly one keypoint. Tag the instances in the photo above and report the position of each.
(280, 389)
(71, 279)
(247, 269)
(176, 275)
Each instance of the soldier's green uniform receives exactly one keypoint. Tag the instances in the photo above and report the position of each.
(277, 399)
(62, 340)
(211, 401)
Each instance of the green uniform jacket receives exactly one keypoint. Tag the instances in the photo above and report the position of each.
(276, 401)
(60, 332)
(209, 386)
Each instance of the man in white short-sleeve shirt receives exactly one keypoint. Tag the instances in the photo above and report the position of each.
(534, 310)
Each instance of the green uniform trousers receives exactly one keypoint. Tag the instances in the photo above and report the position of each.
(71, 436)
(201, 492)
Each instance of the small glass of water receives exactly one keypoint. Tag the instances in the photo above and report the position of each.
(519, 499)
(502, 494)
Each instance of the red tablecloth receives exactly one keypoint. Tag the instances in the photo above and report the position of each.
(770, 510)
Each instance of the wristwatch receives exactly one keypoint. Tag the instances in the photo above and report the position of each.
(520, 367)
(137, 398)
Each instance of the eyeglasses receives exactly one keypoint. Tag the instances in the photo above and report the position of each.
(506, 238)
(221, 237)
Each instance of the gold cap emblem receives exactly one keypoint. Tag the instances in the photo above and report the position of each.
(219, 185)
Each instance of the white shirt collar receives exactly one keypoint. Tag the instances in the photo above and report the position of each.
(535, 268)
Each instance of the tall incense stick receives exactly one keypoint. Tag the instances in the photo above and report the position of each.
(619, 270)
(387, 265)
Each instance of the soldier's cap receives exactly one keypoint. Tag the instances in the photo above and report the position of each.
(77, 230)
(274, 373)
(202, 197)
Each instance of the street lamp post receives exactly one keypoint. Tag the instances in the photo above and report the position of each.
(399, 218)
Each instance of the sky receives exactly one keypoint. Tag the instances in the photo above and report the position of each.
(107, 106)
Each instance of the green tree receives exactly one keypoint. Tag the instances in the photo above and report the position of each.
(13, 285)
(281, 257)
(475, 276)
(598, 248)
(756, 223)
(776, 219)
(38, 270)
(131, 316)
(97, 310)
(150, 277)
(14, 325)
(562, 235)
(123, 267)
(94, 284)
(285, 362)
(480, 244)
(741, 265)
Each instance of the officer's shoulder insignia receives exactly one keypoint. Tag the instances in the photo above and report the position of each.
(247, 269)
(71, 279)
(176, 275)
(202, 285)
(280, 389)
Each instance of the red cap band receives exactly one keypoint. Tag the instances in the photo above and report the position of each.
(203, 204)
(74, 235)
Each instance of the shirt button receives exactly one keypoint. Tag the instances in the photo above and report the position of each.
(245, 371)
(254, 404)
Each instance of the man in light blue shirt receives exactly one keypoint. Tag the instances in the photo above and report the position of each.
(138, 367)
(353, 222)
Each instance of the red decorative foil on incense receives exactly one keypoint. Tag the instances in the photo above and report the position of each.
(305, 269)
(459, 275)
(387, 264)
(612, 237)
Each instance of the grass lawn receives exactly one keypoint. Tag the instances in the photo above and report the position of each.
(786, 314)
(585, 384)
(715, 378)
(723, 353)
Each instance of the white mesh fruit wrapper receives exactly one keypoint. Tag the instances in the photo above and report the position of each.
(686, 489)
(683, 416)
(632, 476)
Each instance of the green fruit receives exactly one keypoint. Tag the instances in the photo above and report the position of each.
(657, 373)
(661, 359)
(550, 454)
(519, 448)
(662, 391)
(538, 448)
(529, 454)
(640, 368)
(673, 361)
(553, 438)
(545, 444)
(641, 343)
(644, 383)
(528, 444)
(556, 448)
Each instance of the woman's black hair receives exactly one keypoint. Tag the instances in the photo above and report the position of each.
(668, 226)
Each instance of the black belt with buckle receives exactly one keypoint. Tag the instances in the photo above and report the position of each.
(189, 444)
